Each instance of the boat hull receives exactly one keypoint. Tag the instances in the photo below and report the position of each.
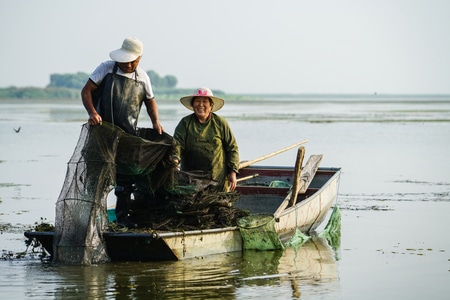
(129, 246)
(307, 214)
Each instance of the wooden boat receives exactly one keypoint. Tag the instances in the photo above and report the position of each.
(259, 195)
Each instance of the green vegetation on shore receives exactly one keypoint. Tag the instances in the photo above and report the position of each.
(63, 87)
(68, 86)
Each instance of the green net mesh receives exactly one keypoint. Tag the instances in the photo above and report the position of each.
(81, 213)
(332, 231)
(258, 233)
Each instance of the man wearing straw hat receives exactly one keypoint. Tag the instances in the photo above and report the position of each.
(114, 93)
(124, 86)
(205, 140)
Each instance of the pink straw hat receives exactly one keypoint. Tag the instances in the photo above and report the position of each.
(203, 92)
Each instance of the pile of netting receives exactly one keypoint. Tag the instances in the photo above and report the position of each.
(161, 200)
(187, 208)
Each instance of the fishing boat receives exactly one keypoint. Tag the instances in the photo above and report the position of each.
(266, 191)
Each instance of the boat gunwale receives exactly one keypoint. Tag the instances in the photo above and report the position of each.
(312, 197)
(168, 234)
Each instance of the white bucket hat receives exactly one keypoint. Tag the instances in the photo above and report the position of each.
(203, 92)
(131, 49)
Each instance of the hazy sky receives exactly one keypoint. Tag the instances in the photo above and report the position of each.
(238, 46)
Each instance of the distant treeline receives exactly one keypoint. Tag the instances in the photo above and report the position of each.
(77, 81)
(68, 86)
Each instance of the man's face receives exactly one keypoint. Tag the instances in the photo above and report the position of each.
(131, 66)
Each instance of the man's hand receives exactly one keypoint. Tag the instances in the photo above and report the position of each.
(95, 119)
(158, 127)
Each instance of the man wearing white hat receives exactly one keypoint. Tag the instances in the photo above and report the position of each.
(114, 93)
(124, 86)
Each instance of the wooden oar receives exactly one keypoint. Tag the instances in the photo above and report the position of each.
(251, 162)
(297, 172)
(307, 175)
(247, 177)
(309, 171)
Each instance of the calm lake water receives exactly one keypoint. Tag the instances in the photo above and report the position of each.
(394, 198)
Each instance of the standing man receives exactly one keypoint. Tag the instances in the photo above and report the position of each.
(114, 93)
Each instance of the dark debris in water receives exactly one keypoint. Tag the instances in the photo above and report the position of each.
(33, 250)
(43, 226)
(10, 184)
(362, 208)
(422, 182)
(40, 226)
(9, 228)
(410, 251)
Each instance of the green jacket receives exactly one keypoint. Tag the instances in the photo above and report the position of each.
(209, 147)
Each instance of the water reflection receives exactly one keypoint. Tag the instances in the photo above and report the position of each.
(293, 271)
(202, 278)
(296, 268)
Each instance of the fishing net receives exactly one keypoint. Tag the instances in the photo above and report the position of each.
(258, 233)
(188, 208)
(297, 239)
(163, 198)
(101, 151)
(332, 231)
